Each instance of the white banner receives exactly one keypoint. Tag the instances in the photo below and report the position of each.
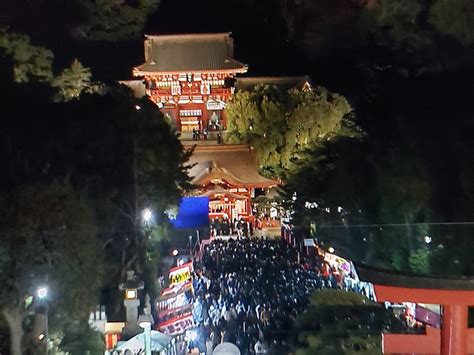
(215, 105)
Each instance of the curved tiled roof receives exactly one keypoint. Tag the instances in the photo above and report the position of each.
(189, 53)
(236, 164)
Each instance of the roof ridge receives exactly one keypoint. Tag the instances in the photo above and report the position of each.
(189, 35)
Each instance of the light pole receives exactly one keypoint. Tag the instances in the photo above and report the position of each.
(42, 294)
(190, 245)
(145, 321)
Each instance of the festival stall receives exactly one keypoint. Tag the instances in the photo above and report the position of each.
(176, 302)
(346, 274)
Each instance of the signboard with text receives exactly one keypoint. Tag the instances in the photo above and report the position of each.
(215, 105)
(181, 274)
(337, 262)
(177, 325)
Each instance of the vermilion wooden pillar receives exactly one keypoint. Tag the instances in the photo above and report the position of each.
(454, 330)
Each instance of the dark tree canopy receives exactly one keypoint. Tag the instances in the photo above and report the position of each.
(49, 237)
(339, 322)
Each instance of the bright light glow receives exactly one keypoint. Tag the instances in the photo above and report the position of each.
(427, 239)
(175, 252)
(42, 292)
(147, 215)
(41, 336)
(331, 250)
(131, 294)
(137, 107)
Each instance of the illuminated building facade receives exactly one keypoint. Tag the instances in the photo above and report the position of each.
(190, 77)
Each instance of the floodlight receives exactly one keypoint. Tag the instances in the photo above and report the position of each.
(42, 292)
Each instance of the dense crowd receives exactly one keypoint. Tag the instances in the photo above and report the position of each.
(249, 291)
(223, 226)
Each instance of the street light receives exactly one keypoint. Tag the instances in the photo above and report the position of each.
(331, 250)
(145, 321)
(427, 239)
(175, 252)
(42, 294)
(147, 215)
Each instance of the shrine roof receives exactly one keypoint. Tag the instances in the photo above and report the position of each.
(236, 164)
(283, 82)
(399, 279)
(210, 52)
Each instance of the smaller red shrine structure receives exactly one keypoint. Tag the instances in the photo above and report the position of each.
(190, 77)
(228, 175)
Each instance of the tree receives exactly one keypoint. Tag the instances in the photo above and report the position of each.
(29, 62)
(323, 27)
(103, 20)
(331, 188)
(110, 20)
(121, 152)
(48, 237)
(116, 149)
(401, 23)
(405, 194)
(317, 116)
(454, 18)
(340, 322)
(72, 81)
(281, 125)
(80, 339)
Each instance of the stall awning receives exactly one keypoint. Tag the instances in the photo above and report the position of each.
(159, 341)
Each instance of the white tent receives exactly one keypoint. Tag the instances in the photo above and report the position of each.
(226, 349)
(159, 341)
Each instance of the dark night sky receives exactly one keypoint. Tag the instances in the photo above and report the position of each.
(259, 36)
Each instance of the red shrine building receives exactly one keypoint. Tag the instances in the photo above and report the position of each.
(191, 77)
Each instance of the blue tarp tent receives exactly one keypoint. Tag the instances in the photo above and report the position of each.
(193, 213)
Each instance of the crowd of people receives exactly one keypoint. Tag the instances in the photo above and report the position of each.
(248, 291)
(224, 227)
(214, 126)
